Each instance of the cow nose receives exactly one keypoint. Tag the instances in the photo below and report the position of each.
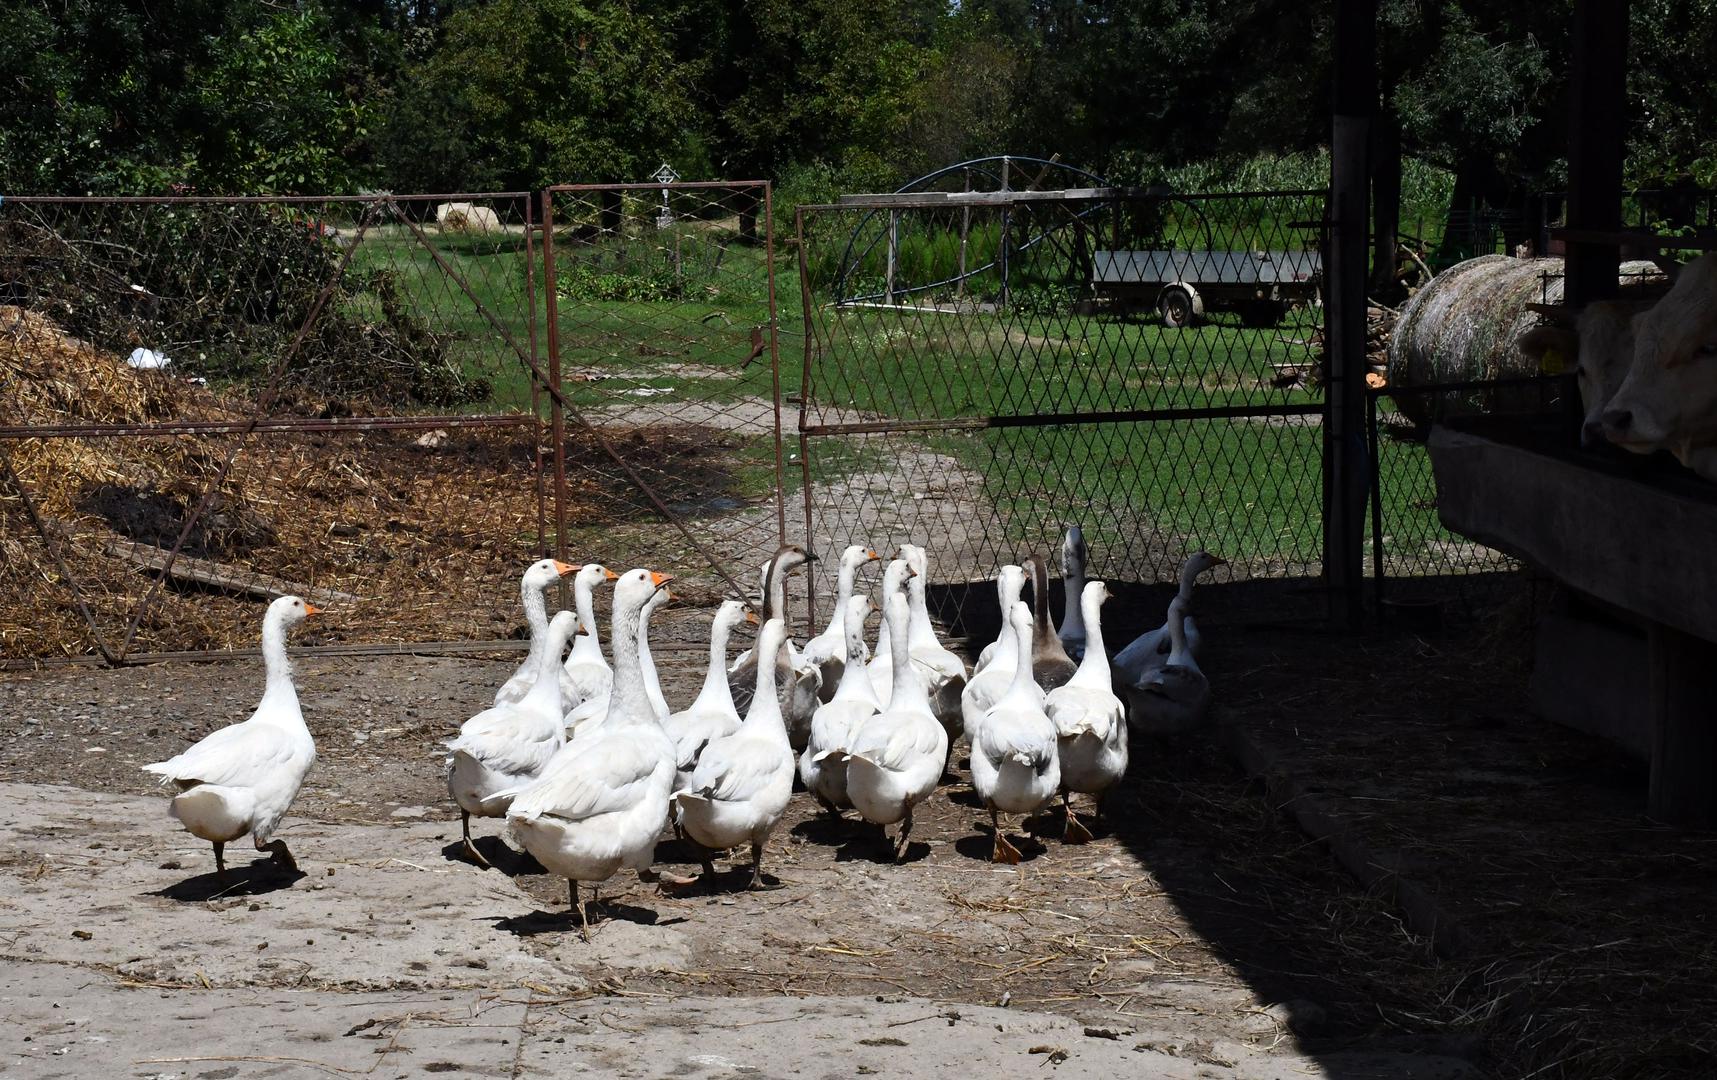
(1618, 420)
(1591, 434)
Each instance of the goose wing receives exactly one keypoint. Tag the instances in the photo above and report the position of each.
(610, 774)
(240, 755)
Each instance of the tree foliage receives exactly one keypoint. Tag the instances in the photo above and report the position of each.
(259, 95)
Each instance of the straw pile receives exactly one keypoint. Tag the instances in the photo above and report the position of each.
(431, 531)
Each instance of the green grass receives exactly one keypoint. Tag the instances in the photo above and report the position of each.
(1249, 489)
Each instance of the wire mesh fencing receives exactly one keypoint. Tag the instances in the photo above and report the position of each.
(662, 334)
(1413, 557)
(211, 402)
(982, 369)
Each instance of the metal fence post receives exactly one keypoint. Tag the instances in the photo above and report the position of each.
(1355, 106)
(557, 414)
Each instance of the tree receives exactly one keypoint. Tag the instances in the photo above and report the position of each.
(526, 93)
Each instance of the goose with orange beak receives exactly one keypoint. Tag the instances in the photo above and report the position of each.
(602, 801)
(243, 778)
(537, 577)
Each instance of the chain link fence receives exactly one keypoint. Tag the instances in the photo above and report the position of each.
(982, 369)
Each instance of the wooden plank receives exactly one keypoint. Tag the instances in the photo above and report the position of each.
(1639, 546)
(1702, 240)
(217, 575)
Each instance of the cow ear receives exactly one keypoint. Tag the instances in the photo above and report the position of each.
(1554, 349)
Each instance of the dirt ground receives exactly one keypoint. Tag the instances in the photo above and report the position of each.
(1196, 935)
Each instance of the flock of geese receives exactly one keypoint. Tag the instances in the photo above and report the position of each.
(587, 762)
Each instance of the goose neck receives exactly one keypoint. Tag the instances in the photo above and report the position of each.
(715, 687)
(1023, 680)
(1094, 665)
(277, 686)
(584, 600)
(629, 702)
(908, 689)
(536, 618)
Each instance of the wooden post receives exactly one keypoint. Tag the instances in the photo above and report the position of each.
(1684, 729)
(1597, 87)
(1002, 250)
(893, 248)
(965, 231)
(1344, 427)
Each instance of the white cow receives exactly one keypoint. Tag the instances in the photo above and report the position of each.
(1598, 349)
(1668, 401)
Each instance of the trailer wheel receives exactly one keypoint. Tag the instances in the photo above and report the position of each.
(1179, 306)
(1263, 314)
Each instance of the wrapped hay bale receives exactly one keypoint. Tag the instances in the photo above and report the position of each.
(464, 217)
(1465, 325)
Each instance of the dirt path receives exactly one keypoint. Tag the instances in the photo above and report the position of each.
(1161, 934)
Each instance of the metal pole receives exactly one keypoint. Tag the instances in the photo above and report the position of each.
(893, 251)
(536, 391)
(775, 364)
(1344, 434)
(1597, 92)
(805, 405)
(557, 414)
(1376, 459)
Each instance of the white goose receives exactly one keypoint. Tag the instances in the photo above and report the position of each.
(944, 670)
(797, 682)
(1015, 769)
(601, 802)
(1090, 721)
(1072, 628)
(896, 757)
(593, 709)
(712, 714)
(537, 577)
(743, 781)
(587, 672)
(505, 747)
(994, 679)
(1150, 649)
(242, 778)
(832, 725)
(828, 650)
(1174, 696)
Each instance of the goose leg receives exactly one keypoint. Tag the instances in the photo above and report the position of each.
(1072, 830)
(583, 916)
(757, 884)
(470, 848)
(282, 857)
(901, 842)
(220, 861)
(1002, 852)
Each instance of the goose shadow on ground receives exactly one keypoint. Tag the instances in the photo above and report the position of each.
(533, 923)
(501, 857)
(256, 878)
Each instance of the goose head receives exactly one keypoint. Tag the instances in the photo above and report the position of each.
(856, 556)
(790, 557)
(635, 588)
(590, 575)
(1200, 561)
(288, 611)
(917, 558)
(1073, 552)
(561, 630)
(894, 580)
(731, 613)
(1010, 586)
(545, 572)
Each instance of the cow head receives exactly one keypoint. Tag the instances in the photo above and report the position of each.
(1598, 350)
(1669, 399)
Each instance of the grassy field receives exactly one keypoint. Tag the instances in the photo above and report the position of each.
(661, 326)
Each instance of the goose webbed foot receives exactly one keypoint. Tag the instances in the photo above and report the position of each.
(471, 848)
(1003, 851)
(903, 841)
(1073, 831)
(757, 882)
(583, 914)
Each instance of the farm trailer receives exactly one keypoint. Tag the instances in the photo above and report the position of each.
(1183, 286)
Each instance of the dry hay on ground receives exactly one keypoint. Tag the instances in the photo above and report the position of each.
(431, 531)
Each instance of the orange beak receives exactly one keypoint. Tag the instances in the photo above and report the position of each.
(309, 609)
(609, 575)
(751, 617)
(1217, 560)
(658, 580)
(871, 556)
(564, 569)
